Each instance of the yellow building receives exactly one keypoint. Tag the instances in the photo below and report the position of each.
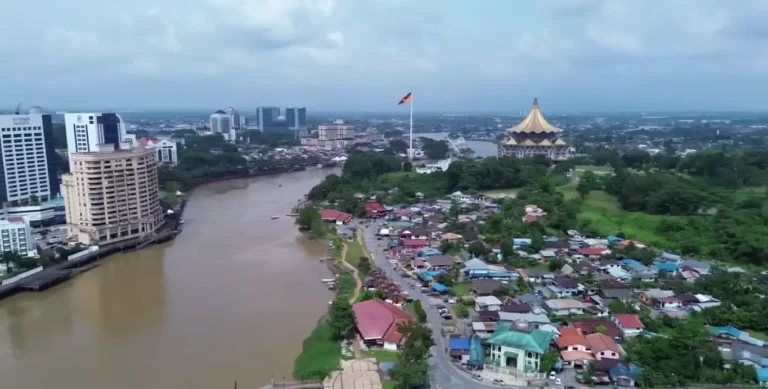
(534, 136)
(112, 195)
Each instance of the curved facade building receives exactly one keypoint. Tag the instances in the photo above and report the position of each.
(534, 136)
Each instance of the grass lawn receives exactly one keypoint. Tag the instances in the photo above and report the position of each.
(461, 289)
(502, 192)
(319, 355)
(568, 191)
(410, 309)
(604, 214)
(390, 384)
(593, 168)
(382, 355)
(397, 175)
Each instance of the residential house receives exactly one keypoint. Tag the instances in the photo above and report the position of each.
(530, 299)
(593, 252)
(567, 286)
(625, 374)
(699, 266)
(630, 325)
(334, 216)
(619, 274)
(520, 242)
(374, 210)
(591, 326)
(377, 323)
(607, 264)
(622, 294)
(572, 339)
(613, 283)
(485, 287)
(564, 307)
(667, 267)
(516, 308)
(537, 317)
(584, 268)
(666, 257)
(472, 265)
(689, 274)
(518, 346)
(414, 233)
(401, 214)
(459, 350)
(450, 236)
(535, 275)
(596, 243)
(603, 346)
(429, 252)
(415, 244)
(487, 303)
(484, 329)
(441, 262)
(705, 301)
(638, 270)
(649, 296)
(667, 303)
(627, 243)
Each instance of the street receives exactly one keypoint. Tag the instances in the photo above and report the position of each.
(443, 374)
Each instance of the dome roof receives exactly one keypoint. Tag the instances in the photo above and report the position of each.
(534, 122)
(511, 142)
(220, 112)
(545, 142)
(560, 142)
(528, 142)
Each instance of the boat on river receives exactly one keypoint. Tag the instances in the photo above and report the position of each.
(275, 217)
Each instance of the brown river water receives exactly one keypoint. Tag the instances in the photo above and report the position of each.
(231, 299)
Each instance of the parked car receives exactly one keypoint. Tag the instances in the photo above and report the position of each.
(552, 375)
(558, 381)
(477, 376)
(498, 381)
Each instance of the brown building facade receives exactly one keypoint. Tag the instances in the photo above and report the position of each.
(112, 195)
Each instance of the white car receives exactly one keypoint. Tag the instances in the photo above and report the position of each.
(451, 301)
(558, 382)
(392, 261)
(551, 375)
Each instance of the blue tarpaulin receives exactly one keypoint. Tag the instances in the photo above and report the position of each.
(460, 344)
(440, 288)
(394, 244)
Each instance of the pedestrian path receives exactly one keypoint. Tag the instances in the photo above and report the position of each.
(355, 273)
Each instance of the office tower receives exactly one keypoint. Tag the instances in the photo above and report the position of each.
(221, 122)
(267, 116)
(28, 161)
(112, 195)
(85, 131)
(296, 117)
(234, 117)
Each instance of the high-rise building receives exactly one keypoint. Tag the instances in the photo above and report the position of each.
(234, 117)
(112, 195)
(267, 116)
(85, 131)
(221, 122)
(296, 117)
(28, 161)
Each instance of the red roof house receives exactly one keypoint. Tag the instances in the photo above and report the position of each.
(334, 216)
(591, 326)
(603, 346)
(415, 243)
(530, 218)
(629, 324)
(377, 323)
(374, 209)
(590, 252)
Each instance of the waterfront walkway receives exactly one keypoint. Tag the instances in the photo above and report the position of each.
(355, 273)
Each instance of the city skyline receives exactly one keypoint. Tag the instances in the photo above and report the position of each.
(576, 55)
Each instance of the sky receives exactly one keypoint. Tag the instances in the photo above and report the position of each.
(364, 55)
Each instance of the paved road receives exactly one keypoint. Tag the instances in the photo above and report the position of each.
(443, 374)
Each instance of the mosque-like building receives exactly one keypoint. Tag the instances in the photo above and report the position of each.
(534, 136)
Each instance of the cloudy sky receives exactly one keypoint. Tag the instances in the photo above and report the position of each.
(457, 55)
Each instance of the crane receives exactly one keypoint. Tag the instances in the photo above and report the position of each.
(18, 109)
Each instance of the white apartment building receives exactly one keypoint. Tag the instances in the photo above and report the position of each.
(111, 195)
(165, 149)
(221, 122)
(16, 235)
(28, 164)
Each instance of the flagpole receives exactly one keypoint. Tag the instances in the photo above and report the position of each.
(410, 149)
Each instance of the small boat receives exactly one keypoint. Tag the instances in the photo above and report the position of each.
(275, 217)
(280, 186)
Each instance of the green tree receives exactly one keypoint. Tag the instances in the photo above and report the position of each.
(341, 318)
(421, 314)
(618, 306)
(461, 311)
(412, 366)
(477, 249)
(364, 264)
(548, 361)
(601, 329)
(307, 216)
(556, 264)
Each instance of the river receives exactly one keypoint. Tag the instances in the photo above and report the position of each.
(231, 299)
(481, 148)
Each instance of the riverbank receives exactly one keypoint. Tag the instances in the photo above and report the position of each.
(320, 355)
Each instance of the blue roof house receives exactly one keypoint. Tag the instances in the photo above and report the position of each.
(429, 252)
(521, 242)
(666, 266)
(614, 239)
(625, 374)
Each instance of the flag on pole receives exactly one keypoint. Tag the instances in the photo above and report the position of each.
(407, 99)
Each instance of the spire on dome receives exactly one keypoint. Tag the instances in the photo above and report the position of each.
(536, 102)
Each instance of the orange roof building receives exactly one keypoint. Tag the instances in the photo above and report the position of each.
(603, 346)
(572, 339)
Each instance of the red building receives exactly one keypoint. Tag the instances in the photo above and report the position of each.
(374, 210)
(334, 216)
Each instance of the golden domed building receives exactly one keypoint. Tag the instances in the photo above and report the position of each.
(534, 136)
